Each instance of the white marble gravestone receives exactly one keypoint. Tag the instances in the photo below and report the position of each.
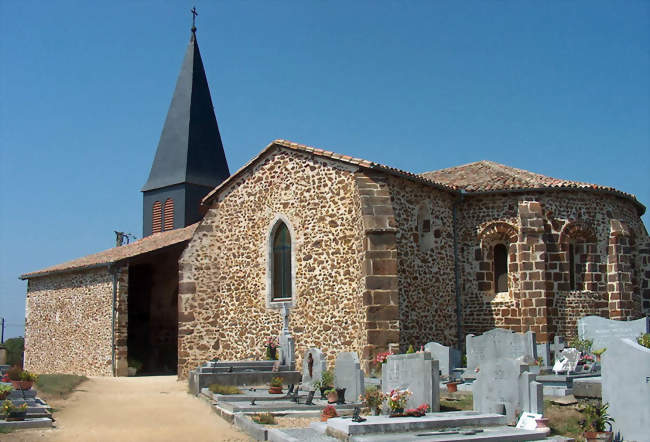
(504, 383)
(626, 387)
(606, 332)
(348, 375)
(448, 358)
(500, 343)
(313, 366)
(417, 372)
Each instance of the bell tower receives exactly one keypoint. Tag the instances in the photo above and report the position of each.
(190, 160)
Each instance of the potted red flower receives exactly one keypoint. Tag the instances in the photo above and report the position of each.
(328, 412)
(276, 385)
(21, 379)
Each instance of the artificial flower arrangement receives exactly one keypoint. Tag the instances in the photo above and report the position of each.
(419, 411)
(373, 399)
(382, 357)
(271, 345)
(397, 400)
(328, 412)
(9, 410)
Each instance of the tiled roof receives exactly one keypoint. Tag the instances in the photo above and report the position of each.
(334, 156)
(139, 247)
(486, 176)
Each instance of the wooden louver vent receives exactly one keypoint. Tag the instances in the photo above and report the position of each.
(169, 214)
(156, 218)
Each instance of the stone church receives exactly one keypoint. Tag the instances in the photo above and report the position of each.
(367, 257)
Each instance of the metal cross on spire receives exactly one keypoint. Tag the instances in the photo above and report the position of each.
(194, 14)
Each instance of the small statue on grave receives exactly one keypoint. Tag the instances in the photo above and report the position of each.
(356, 415)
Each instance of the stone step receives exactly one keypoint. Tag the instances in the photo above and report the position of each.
(39, 422)
(487, 434)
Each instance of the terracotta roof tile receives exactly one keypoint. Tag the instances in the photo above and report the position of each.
(482, 176)
(139, 247)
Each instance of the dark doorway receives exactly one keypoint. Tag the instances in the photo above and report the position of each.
(153, 312)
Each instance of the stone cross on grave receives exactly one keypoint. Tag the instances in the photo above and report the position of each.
(285, 316)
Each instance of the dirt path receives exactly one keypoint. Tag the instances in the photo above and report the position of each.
(156, 408)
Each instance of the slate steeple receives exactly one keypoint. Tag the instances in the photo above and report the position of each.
(190, 160)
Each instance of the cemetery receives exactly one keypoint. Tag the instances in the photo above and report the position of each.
(412, 396)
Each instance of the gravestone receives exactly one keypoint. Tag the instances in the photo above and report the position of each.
(348, 375)
(313, 366)
(544, 350)
(417, 372)
(626, 387)
(500, 343)
(448, 358)
(505, 383)
(606, 333)
(557, 347)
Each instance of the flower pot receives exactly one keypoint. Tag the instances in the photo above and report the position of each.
(16, 416)
(275, 390)
(397, 412)
(322, 391)
(4, 395)
(452, 387)
(332, 397)
(22, 385)
(598, 436)
(271, 353)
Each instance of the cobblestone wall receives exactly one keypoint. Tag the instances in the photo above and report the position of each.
(425, 251)
(68, 323)
(223, 309)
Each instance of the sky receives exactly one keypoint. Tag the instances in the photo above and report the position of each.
(557, 87)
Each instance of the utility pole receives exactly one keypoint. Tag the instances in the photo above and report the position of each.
(2, 338)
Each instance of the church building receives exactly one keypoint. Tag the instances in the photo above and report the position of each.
(367, 257)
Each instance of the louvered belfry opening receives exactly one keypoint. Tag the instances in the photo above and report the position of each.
(169, 214)
(156, 217)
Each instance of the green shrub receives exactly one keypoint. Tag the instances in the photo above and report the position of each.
(598, 419)
(264, 419)
(584, 345)
(327, 379)
(224, 389)
(410, 349)
(644, 339)
(276, 381)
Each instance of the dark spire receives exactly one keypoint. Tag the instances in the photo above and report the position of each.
(190, 149)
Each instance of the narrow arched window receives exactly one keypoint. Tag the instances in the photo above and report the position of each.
(169, 214)
(572, 266)
(500, 268)
(281, 263)
(156, 217)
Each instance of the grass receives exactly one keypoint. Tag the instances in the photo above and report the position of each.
(58, 384)
(5, 430)
(264, 419)
(564, 420)
(456, 402)
(224, 389)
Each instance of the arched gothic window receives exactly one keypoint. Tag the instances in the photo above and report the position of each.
(500, 268)
(281, 269)
(169, 214)
(156, 217)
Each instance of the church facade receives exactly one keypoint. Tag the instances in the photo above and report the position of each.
(369, 258)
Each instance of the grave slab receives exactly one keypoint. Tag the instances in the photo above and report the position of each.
(626, 387)
(500, 343)
(313, 366)
(448, 358)
(606, 333)
(38, 422)
(348, 375)
(342, 427)
(417, 372)
(489, 434)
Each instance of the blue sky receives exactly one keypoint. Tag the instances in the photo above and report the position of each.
(559, 87)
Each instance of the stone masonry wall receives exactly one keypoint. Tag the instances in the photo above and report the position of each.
(539, 296)
(68, 323)
(223, 288)
(427, 296)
